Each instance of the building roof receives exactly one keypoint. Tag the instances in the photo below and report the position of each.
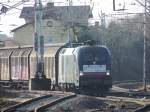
(64, 13)
(76, 15)
(22, 26)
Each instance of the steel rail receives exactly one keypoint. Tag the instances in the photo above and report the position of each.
(145, 108)
(54, 102)
(15, 107)
(128, 81)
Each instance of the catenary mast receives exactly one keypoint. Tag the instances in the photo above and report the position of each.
(39, 82)
(39, 40)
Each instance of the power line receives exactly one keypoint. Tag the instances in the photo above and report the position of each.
(14, 6)
(10, 6)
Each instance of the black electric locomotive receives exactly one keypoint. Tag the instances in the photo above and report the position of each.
(94, 66)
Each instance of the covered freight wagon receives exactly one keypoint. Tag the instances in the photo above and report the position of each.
(20, 64)
(5, 73)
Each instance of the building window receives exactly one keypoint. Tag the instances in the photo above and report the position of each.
(49, 23)
(50, 39)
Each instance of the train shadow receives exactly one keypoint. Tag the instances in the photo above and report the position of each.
(93, 93)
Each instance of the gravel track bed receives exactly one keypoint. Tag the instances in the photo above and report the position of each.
(28, 95)
(84, 103)
(81, 103)
(4, 103)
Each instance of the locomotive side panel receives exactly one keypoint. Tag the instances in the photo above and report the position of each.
(67, 67)
(61, 69)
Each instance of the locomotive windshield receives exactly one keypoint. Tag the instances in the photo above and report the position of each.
(93, 59)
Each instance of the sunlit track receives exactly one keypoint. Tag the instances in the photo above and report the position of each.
(140, 105)
(117, 98)
(131, 88)
(39, 103)
(29, 105)
(145, 108)
(128, 81)
(54, 102)
(61, 101)
(119, 89)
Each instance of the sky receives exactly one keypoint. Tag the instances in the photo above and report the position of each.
(11, 19)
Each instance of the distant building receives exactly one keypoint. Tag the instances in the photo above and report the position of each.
(56, 20)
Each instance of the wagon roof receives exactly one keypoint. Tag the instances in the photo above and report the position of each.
(31, 46)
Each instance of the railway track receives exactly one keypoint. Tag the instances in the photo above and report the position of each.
(134, 93)
(145, 108)
(48, 102)
(121, 92)
(38, 104)
(55, 102)
(66, 101)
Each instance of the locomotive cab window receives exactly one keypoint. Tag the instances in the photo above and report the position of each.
(93, 59)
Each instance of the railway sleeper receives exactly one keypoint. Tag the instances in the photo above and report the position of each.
(18, 85)
(5, 84)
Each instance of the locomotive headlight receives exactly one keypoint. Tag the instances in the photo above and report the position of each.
(108, 72)
(81, 73)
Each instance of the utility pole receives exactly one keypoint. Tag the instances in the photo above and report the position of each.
(70, 23)
(144, 50)
(103, 25)
(102, 17)
(39, 40)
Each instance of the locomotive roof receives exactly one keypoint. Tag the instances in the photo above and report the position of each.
(102, 47)
(67, 51)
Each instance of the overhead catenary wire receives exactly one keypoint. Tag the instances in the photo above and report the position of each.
(143, 5)
(15, 5)
(108, 16)
(9, 6)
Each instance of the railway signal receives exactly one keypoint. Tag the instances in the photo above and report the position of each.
(120, 9)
